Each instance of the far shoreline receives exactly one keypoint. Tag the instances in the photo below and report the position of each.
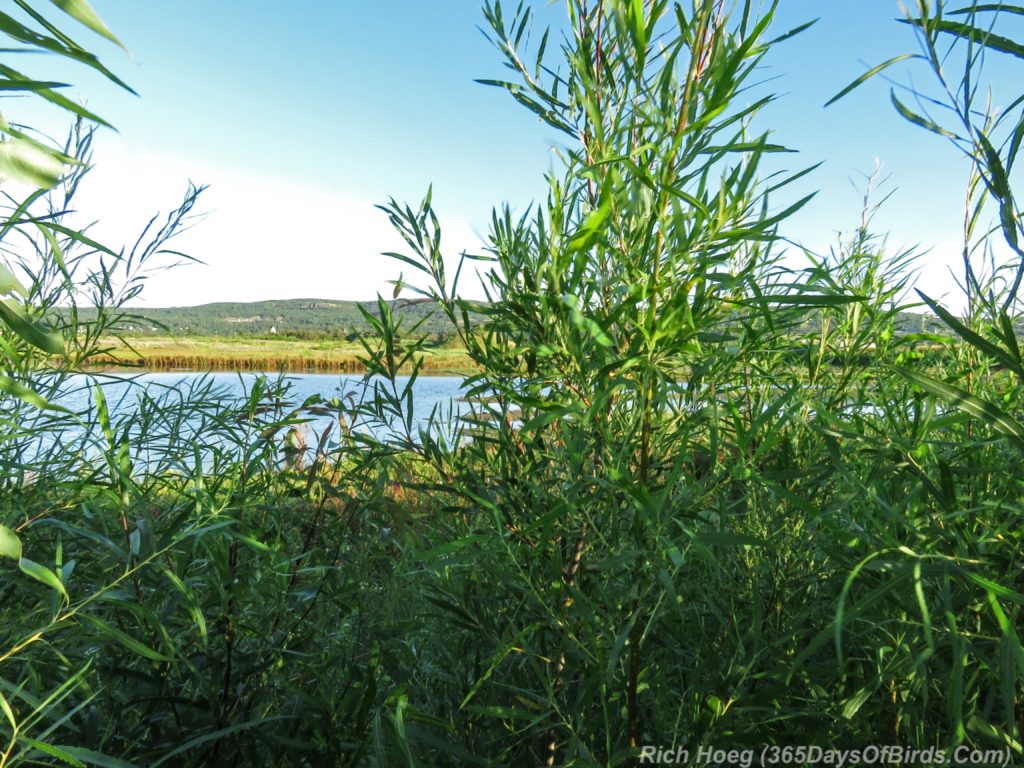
(207, 354)
(146, 369)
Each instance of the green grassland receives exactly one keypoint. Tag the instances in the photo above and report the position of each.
(291, 335)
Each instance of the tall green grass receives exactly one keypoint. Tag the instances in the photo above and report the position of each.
(677, 512)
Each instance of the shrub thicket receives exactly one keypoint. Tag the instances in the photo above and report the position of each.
(672, 512)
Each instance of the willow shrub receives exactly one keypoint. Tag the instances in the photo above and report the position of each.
(699, 497)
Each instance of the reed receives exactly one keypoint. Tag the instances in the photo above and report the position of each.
(215, 354)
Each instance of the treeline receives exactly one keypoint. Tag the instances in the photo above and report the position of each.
(305, 319)
(330, 320)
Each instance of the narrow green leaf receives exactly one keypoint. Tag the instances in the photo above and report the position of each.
(919, 120)
(63, 101)
(103, 413)
(995, 589)
(855, 702)
(89, 757)
(52, 751)
(191, 603)
(793, 32)
(212, 736)
(983, 7)
(545, 417)
(43, 575)
(78, 237)
(125, 639)
(974, 406)
(812, 300)
(590, 230)
(18, 84)
(724, 539)
(32, 332)
(997, 177)
(8, 712)
(747, 146)
(871, 73)
(586, 325)
(974, 339)
(975, 34)
(1009, 338)
(496, 660)
(504, 713)
(20, 391)
(637, 28)
(1008, 218)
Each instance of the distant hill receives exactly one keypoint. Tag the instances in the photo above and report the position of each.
(287, 318)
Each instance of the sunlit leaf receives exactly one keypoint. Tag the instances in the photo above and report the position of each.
(81, 11)
(10, 544)
(43, 575)
(8, 712)
(589, 231)
(793, 32)
(24, 161)
(35, 334)
(53, 751)
(9, 283)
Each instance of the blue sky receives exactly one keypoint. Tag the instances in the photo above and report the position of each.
(303, 115)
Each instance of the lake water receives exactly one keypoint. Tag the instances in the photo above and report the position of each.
(122, 390)
(162, 415)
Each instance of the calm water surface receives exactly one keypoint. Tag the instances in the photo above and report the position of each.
(167, 413)
(122, 390)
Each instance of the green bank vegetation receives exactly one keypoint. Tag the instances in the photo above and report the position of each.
(301, 319)
(607, 553)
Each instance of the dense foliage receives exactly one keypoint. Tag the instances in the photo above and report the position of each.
(675, 514)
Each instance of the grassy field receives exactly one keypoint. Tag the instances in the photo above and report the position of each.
(246, 354)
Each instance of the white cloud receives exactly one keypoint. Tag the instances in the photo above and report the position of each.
(262, 238)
